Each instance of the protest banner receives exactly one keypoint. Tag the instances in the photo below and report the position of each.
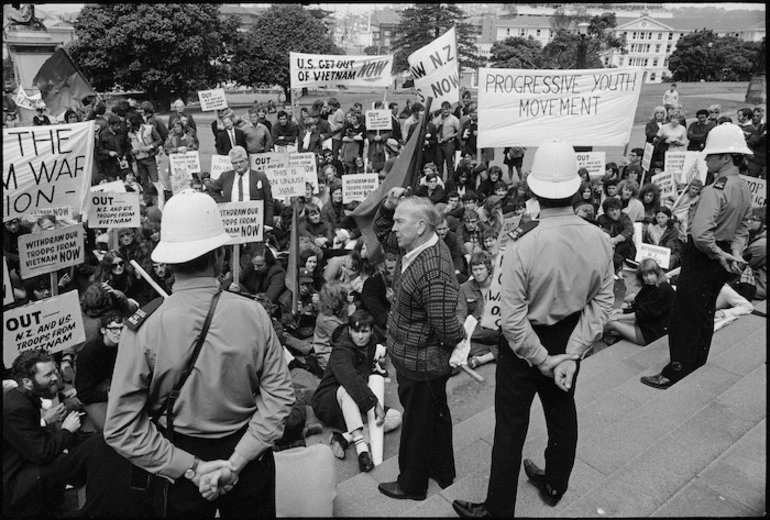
(758, 188)
(261, 162)
(7, 287)
(379, 120)
(694, 166)
(27, 102)
(182, 166)
(319, 70)
(53, 324)
(219, 165)
(666, 184)
(492, 308)
(243, 220)
(593, 107)
(593, 162)
(113, 209)
(305, 163)
(48, 251)
(358, 186)
(64, 213)
(436, 70)
(662, 255)
(46, 167)
(647, 157)
(214, 99)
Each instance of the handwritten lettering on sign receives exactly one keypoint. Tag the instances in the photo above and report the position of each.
(330, 70)
(758, 188)
(593, 162)
(114, 210)
(214, 99)
(48, 251)
(436, 71)
(243, 221)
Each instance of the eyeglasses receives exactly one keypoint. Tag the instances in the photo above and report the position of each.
(713, 111)
(471, 221)
(115, 330)
(117, 264)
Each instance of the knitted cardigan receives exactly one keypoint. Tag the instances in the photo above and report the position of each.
(423, 328)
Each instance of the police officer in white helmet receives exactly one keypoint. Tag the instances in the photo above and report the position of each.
(213, 438)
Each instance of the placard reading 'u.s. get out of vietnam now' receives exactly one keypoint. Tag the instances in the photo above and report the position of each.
(48, 251)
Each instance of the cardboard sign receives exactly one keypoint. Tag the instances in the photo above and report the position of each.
(306, 164)
(647, 157)
(436, 70)
(244, 221)
(60, 213)
(181, 168)
(662, 255)
(358, 186)
(53, 324)
(213, 99)
(666, 184)
(694, 167)
(114, 210)
(315, 70)
(593, 162)
(492, 298)
(46, 167)
(379, 120)
(7, 287)
(585, 107)
(114, 186)
(285, 180)
(219, 165)
(287, 148)
(48, 251)
(758, 188)
(673, 163)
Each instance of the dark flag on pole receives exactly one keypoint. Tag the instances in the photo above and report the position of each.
(405, 173)
(292, 281)
(61, 84)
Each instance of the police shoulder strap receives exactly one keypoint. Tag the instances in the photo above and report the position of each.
(138, 318)
(523, 229)
(720, 183)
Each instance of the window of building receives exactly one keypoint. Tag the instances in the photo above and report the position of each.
(670, 36)
(646, 61)
(522, 32)
(665, 62)
(657, 48)
(507, 32)
(668, 48)
(537, 32)
(633, 37)
(652, 77)
(660, 36)
(655, 62)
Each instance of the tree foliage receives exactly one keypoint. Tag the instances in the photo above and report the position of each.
(165, 49)
(517, 53)
(261, 58)
(423, 23)
(705, 55)
(561, 52)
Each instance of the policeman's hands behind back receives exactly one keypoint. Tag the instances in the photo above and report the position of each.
(546, 367)
(564, 374)
(731, 263)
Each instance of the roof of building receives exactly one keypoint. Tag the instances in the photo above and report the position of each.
(385, 16)
(240, 11)
(525, 21)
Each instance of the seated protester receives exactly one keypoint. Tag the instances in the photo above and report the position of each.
(150, 233)
(95, 365)
(333, 311)
(752, 283)
(612, 171)
(262, 275)
(328, 158)
(491, 214)
(39, 461)
(377, 294)
(344, 397)
(114, 272)
(300, 322)
(315, 229)
(455, 249)
(649, 195)
(332, 212)
(585, 195)
(431, 190)
(630, 204)
(502, 190)
(309, 198)
(469, 201)
(515, 208)
(471, 303)
(453, 208)
(464, 179)
(14, 229)
(730, 304)
(161, 275)
(310, 258)
(646, 317)
(620, 229)
(489, 239)
(609, 189)
(487, 186)
(664, 233)
(585, 210)
(633, 172)
(470, 232)
(282, 230)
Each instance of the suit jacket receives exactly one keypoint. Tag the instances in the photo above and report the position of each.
(222, 188)
(223, 144)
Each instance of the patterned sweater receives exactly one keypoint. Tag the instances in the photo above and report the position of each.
(423, 328)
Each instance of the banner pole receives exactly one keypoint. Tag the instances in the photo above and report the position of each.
(148, 278)
(236, 264)
(54, 284)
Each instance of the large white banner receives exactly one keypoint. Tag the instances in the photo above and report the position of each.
(46, 167)
(591, 107)
(436, 70)
(319, 70)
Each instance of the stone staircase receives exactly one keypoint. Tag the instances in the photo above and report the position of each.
(696, 449)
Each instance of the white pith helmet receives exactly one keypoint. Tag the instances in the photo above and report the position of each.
(554, 171)
(726, 138)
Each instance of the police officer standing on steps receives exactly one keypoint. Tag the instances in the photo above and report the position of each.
(231, 408)
(557, 292)
(719, 231)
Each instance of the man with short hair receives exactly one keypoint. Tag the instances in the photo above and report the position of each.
(242, 183)
(148, 114)
(744, 117)
(448, 127)
(285, 132)
(258, 138)
(395, 123)
(178, 106)
(670, 97)
(699, 130)
(229, 137)
(112, 149)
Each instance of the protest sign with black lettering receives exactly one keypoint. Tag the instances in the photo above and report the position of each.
(593, 162)
(48, 251)
(758, 189)
(114, 209)
(182, 166)
(647, 157)
(358, 186)
(666, 184)
(214, 99)
(116, 186)
(46, 167)
(591, 107)
(379, 120)
(243, 220)
(673, 163)
(436, 70)
(490, 319)
(53, 324)
(286, 148)
(219, 165)
(694, 166)
(7, 288)
(306, 164)
(315, 70)
(662, 255)
(64, 213)
(261, 162)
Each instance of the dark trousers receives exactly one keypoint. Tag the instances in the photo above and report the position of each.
(691, 325)
(515, 388)
(445, 154)
(252, 497)
(425, 450)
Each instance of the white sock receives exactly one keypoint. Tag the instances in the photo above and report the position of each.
(361, 445)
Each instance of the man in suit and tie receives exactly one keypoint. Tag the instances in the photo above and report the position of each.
(229, 137)
(243, 183)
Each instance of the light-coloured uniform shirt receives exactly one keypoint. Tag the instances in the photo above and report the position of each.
(722, 216)
(561, 267)
(240, 378)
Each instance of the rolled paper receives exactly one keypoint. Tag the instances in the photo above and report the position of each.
(147, 277)
(376, 433)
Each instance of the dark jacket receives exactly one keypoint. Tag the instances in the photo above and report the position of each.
(375, 302)
(653, 307)
(272, 282)
(223, 144)
(95, 364)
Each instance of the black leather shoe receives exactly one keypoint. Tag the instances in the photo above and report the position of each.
(393, 490)
(657, 381)
(365, 462)
(338, 444)
(537, 476)
(466, 509)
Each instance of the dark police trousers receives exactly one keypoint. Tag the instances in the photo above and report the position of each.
(516, 386)
(691, 325)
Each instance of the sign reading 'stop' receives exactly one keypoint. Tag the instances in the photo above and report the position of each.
(316, 70)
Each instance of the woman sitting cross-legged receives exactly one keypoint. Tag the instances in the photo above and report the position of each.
(344, 396)
(644, 319)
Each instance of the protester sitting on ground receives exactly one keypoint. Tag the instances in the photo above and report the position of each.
(620, 229)
(262, 275)
(491, 214)
(471, 303)
(585, 195)
(752, 283)
(377, 294)
(431, 190)
(310, 258)
(300, 321)
(470, 232)
(333, 311)
(315, 229)
(649, 195)
(344, 396)
(630, 204)
(644, 317)
(332, 212)
(682, 211)
(664, 233)
(487, 186)
(455, 248)
(489, 239)
(114, 272)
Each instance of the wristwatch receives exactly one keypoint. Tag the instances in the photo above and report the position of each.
(190, 473)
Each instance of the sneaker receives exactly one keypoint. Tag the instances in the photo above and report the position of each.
(338, 445)
(365, 462)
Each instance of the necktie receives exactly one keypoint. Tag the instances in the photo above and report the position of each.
(240, 187)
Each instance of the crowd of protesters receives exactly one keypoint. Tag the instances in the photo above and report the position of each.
(341, 292)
